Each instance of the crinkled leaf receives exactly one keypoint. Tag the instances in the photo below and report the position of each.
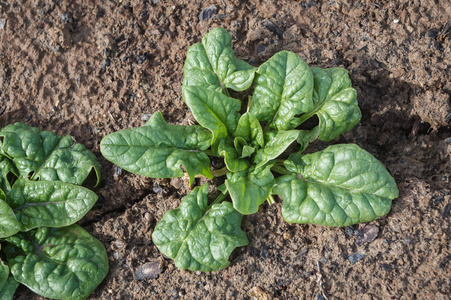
(8, 221)
(276, 146)
(44, 155)
(9, 288)
(335, 102)
(231, 156)
(283, 89)
(213, 110)
(49, 203)
(339, 186)
(8, 173)
(4, 274)
(249, 189)
(58, 263)
(199, 237)
(213, 64)
(158, 149)
(250, 130)
(306, 137)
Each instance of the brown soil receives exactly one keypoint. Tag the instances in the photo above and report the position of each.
(88, 68)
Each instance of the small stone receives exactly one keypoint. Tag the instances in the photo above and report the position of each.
(256, 293)
(366, 235)
(2, 23)
(261, 48)
(116, 255)
(146, 117)
(287, 236)
(264, 252)
(117, 172)
(273, 28)
(157, 188)
(207, 13)
(355, 257)
(432, 33)
(448, 140)
(150, 270)
(66, 18)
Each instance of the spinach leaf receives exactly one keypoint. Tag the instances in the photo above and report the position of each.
(283, 89)
(49, 203)
(158, 149)
(198, 236)
(335, 103)
(9, 288)
(213, 64)
(43, 155)
(339, 186)
(58, 263)
(249, 189)
(9, 225)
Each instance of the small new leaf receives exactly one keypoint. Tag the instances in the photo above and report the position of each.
(249, 189)
(199, 237)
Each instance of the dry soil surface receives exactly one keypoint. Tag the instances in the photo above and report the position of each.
(88, 68)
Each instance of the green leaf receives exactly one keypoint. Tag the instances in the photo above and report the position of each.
(213, 65)
(4, 274)
(44, 155)
(158, 149)
(306, 137)
(339, 186)
(8, 222)
(197, 236)
(335, 103)
(250, 130)
(231, 156)
(276, 146)
(58, 263)
(7, 173)
(249, 189)
(213, 110)
(9, 288)
(49, 203)
(283, 89)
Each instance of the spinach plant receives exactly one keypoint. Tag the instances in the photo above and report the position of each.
(41, 197)
(338, 186)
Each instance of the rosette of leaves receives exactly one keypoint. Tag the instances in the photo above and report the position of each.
(338, 186)
(43, 193)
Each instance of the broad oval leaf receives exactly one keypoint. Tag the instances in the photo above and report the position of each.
(213, 64)
(277, 144)
(335, 102)
(58, 263)
(197, 236)
(283, 89)
(49, 203)
(9, 288)
(249, 189)
(339, 186)
(158, 149)
(44, 155)
(213, 110)
(8, 221)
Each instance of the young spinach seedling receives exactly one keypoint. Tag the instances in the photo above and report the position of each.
(42, 195)
(338, 186)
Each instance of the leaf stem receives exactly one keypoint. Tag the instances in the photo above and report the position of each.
(218, 199)
(220, 172)
(270, 199)
(281, 170)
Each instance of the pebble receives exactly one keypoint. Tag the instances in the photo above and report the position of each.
(2, 23)
(157, 188)
(66, 18)
(150, 270)
(117, 172)
(208, 12)
(366, 235)
(355, 257)
(272, 27)
(146, 117)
